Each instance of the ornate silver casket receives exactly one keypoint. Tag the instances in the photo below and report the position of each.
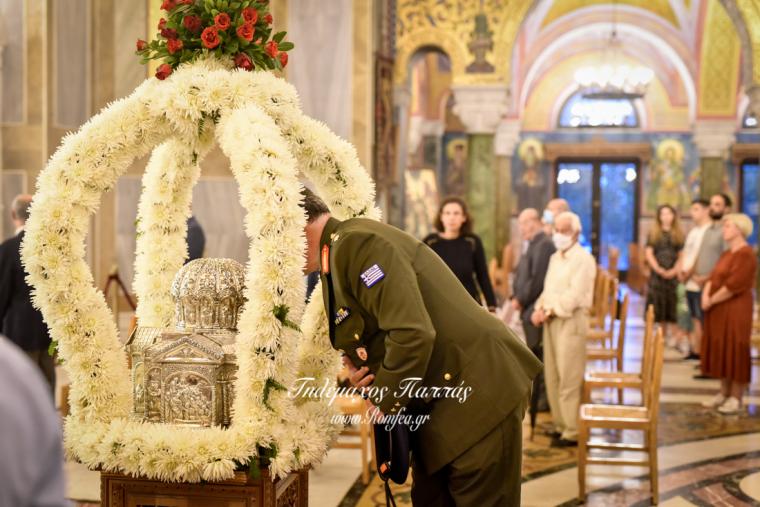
(184, 375)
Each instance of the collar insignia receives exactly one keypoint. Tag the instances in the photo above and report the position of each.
(325, 259)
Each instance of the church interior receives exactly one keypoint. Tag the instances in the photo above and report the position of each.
(616, 106)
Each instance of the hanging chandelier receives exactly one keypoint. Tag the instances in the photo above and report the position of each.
(610, 79)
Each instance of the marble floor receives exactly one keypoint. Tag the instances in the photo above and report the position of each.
(705, 458)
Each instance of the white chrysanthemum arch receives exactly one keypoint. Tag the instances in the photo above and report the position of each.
(257, 120)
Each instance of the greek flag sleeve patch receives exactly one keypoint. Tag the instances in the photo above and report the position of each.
(373, 275)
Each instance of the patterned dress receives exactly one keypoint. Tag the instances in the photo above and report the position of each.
(662, 292)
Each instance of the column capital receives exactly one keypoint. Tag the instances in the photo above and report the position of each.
(481, 107)
(507, 136)
(714, 137)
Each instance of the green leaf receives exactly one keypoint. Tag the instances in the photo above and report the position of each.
(235, 6)
(279, 36)
(52, 347)
(286, 46)
(254, 468)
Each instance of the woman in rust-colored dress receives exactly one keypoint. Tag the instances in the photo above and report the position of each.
(727, 302)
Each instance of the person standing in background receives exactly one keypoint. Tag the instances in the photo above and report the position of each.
(711, 248)
(562, 310)
(461, 250)
(700, 214)
(552, 211)
(196, 240)
(21, 322)
(727, 303)
(528, 285)
(663, 254)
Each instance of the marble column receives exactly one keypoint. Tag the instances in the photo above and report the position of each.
(713, 139)
(481, 107)
(394, 191)
(507, 137)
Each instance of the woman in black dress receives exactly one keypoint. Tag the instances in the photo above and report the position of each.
(663, 254)
(462, 250)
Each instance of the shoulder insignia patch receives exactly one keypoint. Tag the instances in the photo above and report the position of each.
(373, 275)
(342, 314)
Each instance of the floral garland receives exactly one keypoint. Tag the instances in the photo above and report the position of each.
(260, 126)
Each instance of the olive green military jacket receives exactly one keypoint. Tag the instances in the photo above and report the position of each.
(394, 306)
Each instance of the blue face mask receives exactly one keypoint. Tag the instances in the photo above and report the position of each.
(548, 217)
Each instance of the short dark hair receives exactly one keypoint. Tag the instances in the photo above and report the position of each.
(726, 199)
(313, 205)
(701, 201)
(466, 226)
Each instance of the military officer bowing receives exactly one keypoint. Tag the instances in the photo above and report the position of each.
(402, 318)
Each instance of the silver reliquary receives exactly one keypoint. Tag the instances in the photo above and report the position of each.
(184, 375)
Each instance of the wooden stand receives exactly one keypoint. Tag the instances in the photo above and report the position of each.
(119, 490)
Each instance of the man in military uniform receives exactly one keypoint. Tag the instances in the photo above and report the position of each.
(397, 312)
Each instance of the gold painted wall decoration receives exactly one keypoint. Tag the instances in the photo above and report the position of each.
(719, 64)
(448, 25)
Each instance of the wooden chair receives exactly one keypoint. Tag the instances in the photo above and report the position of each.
(613, 259)
(619, 417)
(609, 354)
(605, 324)
(621, 380)
(354, 408)
(597, 313)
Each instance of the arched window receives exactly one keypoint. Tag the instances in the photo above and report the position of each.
(579, 111)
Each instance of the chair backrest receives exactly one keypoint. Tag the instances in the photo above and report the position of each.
(621, 330)
(601, 294)
(612, 303)
(647, 346)
(613, 256)
(652, 390)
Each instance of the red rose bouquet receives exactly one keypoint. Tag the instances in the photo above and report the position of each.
(236, 30)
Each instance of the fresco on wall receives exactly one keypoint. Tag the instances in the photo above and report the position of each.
(454, 168)
(667, 181)
(421, 202)
(530, 176)
(729, 185)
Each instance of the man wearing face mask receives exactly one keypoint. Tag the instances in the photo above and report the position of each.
(712, 246)
(553, 209)
(562, 310)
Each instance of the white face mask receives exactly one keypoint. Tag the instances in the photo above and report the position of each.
(562, 241)
(548, 217)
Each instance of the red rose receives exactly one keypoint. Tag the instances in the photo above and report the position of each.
(192, 23)
(141, 45)
(242, 61)
(161, 24)
(250, 15)
(222, 21)
(268, 19)
(283, 58)
(210, 37)
(271, 48)
(173, 45)
(169, 33)
(245, 31)
(163, 71)
(169, 5)
(186, 2)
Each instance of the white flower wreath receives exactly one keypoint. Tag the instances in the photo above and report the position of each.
(257, 121)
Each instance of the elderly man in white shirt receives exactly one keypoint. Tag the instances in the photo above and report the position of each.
(562, 309)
